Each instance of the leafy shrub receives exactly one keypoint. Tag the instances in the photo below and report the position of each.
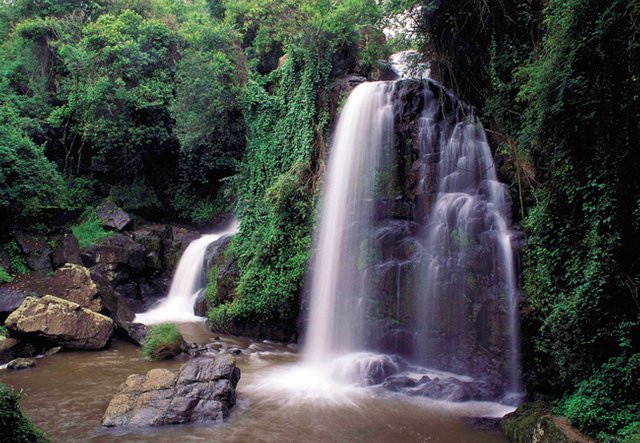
(18, 263)
(5, 277)
(4, 332)
(89, 232)
(609, 400)
(163, 341)
(14, 426)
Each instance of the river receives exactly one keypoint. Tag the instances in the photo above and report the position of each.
(67, 393)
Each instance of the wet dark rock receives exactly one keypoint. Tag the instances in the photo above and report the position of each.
(203, 390)
(118, 249)
(200, 306)
(399, 384)
(13, 294)
(36, 251)
(53, 351)
(156, 239)
(112, 216)
(62, 322)
(134, 332)
(234, 351)
(22, 363)
(449, 389)
(12, 348)
(482, 423)
(227, 280)
(67, 250)
(9, 349)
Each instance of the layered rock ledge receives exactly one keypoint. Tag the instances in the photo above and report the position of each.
(202, 390)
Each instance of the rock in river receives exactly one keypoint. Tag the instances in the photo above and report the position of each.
(22, 363)
(61, 322)
(202, 390)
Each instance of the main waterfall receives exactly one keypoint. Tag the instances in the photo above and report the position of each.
(339, 286)
(414, 258)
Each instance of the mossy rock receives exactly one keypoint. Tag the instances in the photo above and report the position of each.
(163, 342)
(533, 423)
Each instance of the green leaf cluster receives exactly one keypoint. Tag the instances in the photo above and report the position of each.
(14, 426)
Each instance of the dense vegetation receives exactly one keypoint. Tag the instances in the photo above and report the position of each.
(15, 427)
(129, 99)
(565, 104)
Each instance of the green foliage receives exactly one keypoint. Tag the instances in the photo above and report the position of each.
(209, 122)
(14, 426)
(90, 231)
(28, 181)
(163, 341)
(16, 259)
(608, 401)
(117, 91)
(5, 277)
(275, 201)
(4, 332)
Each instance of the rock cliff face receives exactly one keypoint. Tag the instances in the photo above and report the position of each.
(61, 322)
(468, 334)
(203, 390)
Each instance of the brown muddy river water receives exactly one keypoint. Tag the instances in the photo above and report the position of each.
(66, 395)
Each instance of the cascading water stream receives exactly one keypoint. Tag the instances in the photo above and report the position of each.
(339, 285)
(187, 283)
(468, 255)
(412, 281)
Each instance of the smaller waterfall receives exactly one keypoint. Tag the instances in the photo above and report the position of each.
(188, 282)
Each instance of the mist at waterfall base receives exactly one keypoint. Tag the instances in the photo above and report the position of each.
(189, 281)
(411, 293)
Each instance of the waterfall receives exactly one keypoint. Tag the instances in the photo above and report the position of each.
(468, 255)
(338, 283)
(414, 252)
(188, 282)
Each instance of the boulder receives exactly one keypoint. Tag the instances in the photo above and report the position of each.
(135, 332)
(13, 294)
(534, 422)
(9, 349)
(74, 283)
(61, 322)
(67, 251)
(112, 216)
(203, 390)
(156, 239)
(22, 363)
(36, 250)
(119, 249)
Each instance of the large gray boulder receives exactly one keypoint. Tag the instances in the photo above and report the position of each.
(203, 390)
(112, 216)
(61, 322)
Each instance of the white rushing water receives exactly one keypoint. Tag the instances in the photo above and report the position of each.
(460, 281)
(364, 129)
(187, 283)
